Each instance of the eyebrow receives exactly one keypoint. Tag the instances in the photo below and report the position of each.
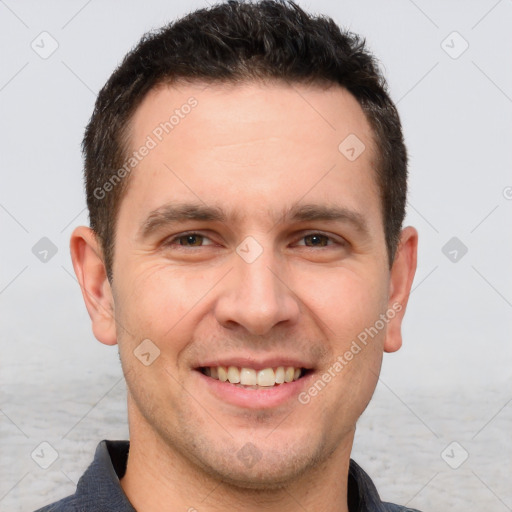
(172, 213)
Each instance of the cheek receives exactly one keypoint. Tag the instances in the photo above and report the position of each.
(158, 303)
(346, 301)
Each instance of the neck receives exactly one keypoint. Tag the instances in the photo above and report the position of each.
(159, 478)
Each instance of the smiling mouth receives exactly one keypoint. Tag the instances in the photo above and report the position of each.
(250, 378)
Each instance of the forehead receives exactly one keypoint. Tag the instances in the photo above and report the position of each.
(212, 110)
(252, 148)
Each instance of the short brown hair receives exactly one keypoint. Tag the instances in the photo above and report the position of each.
(236, 42)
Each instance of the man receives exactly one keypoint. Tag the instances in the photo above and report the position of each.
(246, 184)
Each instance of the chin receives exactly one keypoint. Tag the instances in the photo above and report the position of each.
(268, 473)
(261, 480)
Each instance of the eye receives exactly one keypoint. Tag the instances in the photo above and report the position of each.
(194, 239)
(188, 240)
(320, 240)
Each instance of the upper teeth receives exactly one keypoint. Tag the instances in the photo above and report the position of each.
(251, 377)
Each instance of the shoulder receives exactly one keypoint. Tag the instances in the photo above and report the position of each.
(390, 507)
(363, 495)
(64, 505)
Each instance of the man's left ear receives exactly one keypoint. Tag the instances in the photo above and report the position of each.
(402, 276)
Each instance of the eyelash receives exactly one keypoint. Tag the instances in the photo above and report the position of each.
(170, 241)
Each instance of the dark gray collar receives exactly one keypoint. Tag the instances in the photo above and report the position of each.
(99, 490)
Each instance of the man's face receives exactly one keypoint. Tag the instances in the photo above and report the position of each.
(260, 288)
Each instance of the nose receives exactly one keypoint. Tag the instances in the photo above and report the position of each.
(257, 296)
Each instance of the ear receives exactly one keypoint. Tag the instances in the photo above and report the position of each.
(90, 271)
(402, 276)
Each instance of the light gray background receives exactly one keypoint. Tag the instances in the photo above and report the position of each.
(451, 381)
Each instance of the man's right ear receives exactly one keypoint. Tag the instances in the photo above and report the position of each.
(90, 271)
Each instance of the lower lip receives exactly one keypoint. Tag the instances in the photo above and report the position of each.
(262, 398)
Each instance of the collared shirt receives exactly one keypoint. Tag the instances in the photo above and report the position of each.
(99, 490)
